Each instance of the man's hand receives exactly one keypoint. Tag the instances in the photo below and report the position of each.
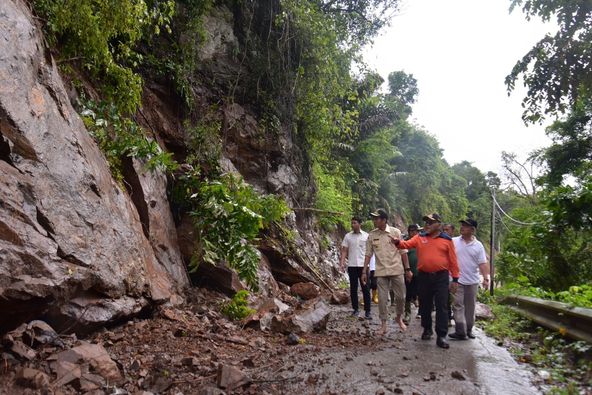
(342, 266)
(453, 287)
(395, 240)
(364, 277)
(485, 283)
(408, 275)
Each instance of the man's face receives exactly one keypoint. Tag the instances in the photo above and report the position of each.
(431, 226)
(466, 230)
(355, 226)
(378, 222)
(413, 233)
(449, 229)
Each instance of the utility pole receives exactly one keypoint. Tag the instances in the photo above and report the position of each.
(492, 242)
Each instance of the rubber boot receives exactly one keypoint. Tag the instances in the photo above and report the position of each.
(375, 295)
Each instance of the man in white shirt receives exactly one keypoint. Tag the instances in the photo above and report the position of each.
(353, 248)
(471, 259)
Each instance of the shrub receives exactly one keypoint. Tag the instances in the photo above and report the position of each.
(102, 35)
(238, 308)
(228, 215)
(119, 136)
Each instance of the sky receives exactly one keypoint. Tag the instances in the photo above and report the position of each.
(460, 52)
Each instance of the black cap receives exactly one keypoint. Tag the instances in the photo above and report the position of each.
(469, 221)
(434, 217)
(380, 212)
(413, 227)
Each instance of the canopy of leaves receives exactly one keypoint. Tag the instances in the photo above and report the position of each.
(557, 69)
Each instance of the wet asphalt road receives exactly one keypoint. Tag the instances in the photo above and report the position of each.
(401, 363)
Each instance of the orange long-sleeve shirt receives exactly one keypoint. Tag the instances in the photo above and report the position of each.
(433, 254)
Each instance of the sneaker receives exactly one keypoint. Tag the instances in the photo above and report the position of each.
(442, 343)
(470, 335)
(457, 336)
(368, 316)
(426, 335)
(355, 313)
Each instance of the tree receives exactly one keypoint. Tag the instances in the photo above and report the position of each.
(358, 21)
(521, 176)
(402, 92)
(557, 69)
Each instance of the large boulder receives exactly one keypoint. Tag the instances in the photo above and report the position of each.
(306, 291)
(72, 245)
(312, 318)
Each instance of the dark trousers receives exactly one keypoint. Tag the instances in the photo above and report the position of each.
(410, 293)
(434, 287)
(373, 282)
(355, 277)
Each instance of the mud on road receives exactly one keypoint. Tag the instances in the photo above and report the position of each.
(353, 360)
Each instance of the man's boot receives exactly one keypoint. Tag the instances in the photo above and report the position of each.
(375, 295)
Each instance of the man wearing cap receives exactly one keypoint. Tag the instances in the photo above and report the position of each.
(391, 268)
(471, 259)
(411, 286)
(353, 248)
(436, 258)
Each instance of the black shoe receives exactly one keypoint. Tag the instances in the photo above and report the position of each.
(368, 316)
(470, 335)
(440, 342)
(426, 335)
(355, 313)
(457, 336)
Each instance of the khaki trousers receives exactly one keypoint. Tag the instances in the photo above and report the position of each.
(464, 308)
(386, 284)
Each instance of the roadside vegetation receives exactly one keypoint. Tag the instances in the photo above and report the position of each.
(560, 365)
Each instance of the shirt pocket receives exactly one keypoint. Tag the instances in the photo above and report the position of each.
(375, 244)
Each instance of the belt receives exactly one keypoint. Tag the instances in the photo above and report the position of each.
(433, 273)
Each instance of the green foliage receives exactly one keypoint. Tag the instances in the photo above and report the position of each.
(425, 183)
(120, 136)
(204, 145)
(357, 22)
(576, 295)
(333, 196)
(507, 324)
(228, 215)
(238, 308)
(175, 56)
(556, 252)
(103, 34)
(402, 91)
(556, 69)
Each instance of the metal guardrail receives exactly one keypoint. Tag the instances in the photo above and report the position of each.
(575, 322)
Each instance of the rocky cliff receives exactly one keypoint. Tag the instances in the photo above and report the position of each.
(79, 250)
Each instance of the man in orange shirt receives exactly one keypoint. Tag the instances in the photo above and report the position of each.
(436, 258)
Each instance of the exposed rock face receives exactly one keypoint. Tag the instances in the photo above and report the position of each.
(72, 244)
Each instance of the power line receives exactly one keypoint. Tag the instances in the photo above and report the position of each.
(502, 222)
(511, 219)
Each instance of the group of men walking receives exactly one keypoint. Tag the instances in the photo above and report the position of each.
(429, 264)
